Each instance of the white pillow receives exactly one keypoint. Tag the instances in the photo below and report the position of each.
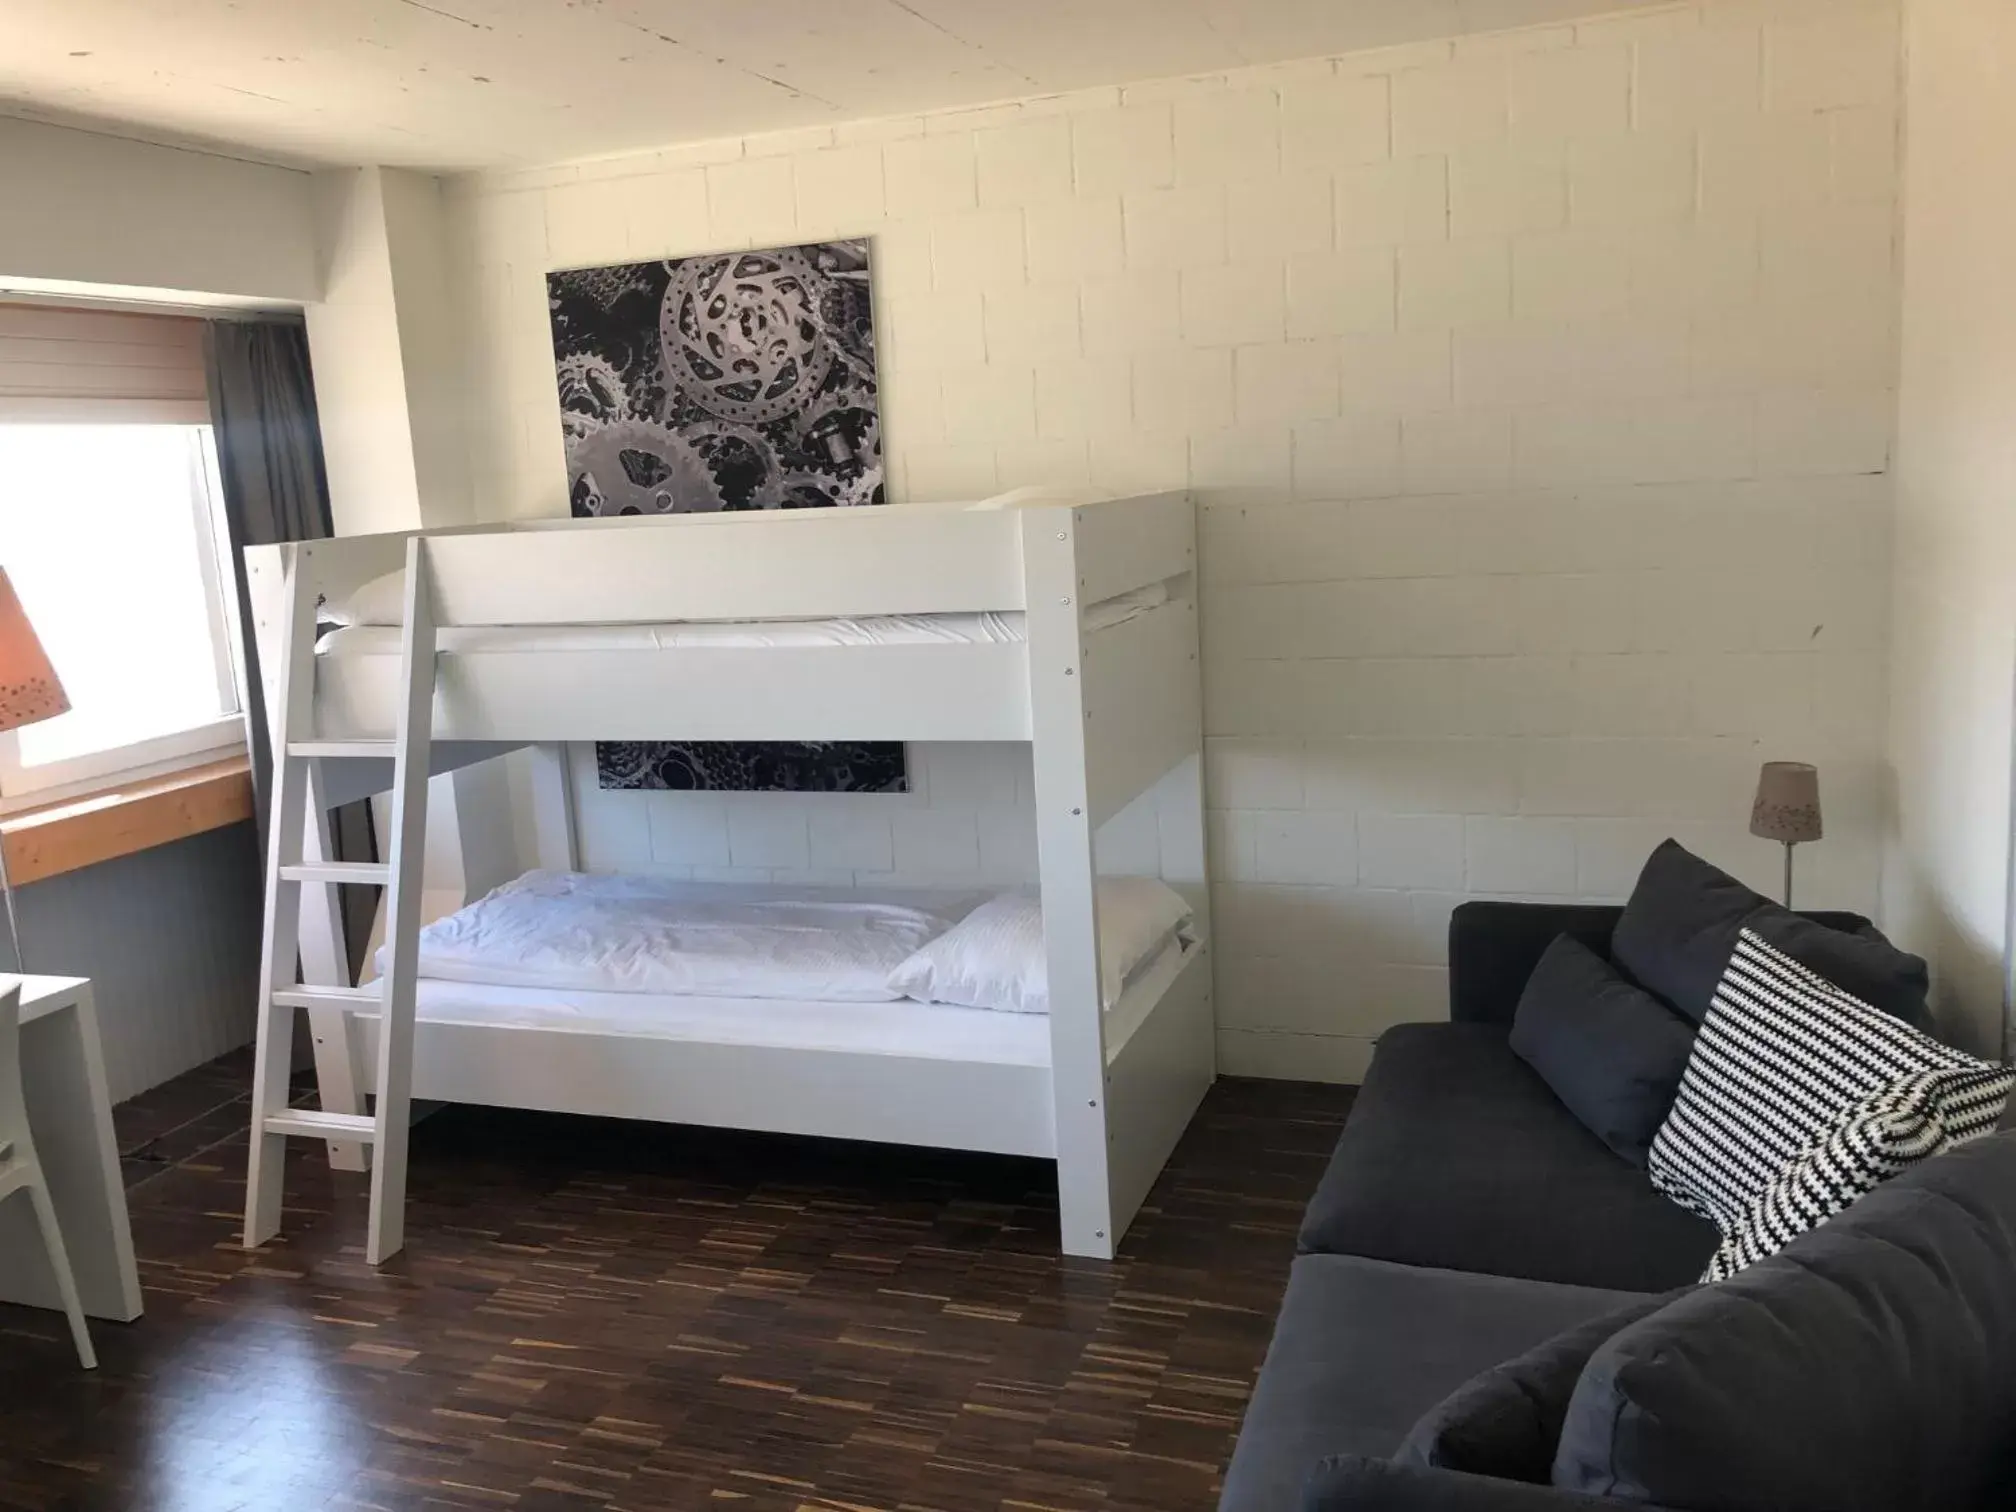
(994, 958)
(382, 601)
(1034, 495)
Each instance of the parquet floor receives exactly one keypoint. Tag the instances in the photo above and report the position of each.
(608, 1316)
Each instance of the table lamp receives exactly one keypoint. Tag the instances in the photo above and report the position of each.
(29, 694)
(1787, 809)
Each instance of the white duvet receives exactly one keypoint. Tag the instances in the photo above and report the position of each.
(647, 934)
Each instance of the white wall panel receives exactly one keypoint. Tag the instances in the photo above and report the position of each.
(1536, 395)
(1946, 873)
(170, 938)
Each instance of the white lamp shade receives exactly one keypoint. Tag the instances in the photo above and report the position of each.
(1788, 803)
(29, 689)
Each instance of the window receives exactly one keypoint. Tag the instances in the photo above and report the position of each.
(111, 535)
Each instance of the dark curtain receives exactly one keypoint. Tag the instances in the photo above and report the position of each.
(269, 461)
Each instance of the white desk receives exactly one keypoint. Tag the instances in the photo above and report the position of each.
(70, 1113)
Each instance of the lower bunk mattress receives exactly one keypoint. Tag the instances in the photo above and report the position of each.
(927, 1030)
(917, 1031)
(790, 1035)
(797, 969)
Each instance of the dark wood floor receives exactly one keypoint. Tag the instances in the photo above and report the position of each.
(618, 1316)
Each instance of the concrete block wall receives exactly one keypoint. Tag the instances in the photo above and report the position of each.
(1537, 392)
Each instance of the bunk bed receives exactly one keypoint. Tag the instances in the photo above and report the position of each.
(1071, 627)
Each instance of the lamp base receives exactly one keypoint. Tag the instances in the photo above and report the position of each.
(1788, 873)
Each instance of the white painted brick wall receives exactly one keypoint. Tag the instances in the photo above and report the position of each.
(1537, 395)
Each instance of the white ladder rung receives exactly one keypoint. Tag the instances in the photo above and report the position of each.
(344, 750)
(368, 873)
(343, 999)
(304, 1123)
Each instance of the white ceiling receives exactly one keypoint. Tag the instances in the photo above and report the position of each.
(455, 84)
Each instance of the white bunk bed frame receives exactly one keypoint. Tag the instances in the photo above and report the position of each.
(1110, 714)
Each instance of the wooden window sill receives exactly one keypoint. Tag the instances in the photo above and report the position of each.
(130, 817)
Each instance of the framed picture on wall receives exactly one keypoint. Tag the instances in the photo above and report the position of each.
(727, 380)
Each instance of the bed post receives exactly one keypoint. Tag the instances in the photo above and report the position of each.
(1068, 868)
(1181, 805)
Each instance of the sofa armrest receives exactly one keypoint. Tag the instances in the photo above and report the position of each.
(1493, 948)
(1349, 1483)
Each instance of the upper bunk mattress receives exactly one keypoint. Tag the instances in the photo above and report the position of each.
(979, 629)
(733, 635)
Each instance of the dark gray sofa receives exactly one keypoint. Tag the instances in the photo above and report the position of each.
(1465, 1217)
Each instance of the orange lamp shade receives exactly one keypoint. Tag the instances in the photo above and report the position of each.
(29, 689)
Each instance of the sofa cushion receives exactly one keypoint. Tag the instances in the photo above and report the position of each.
(1679, 930)
(1800, 1099)
(1613, 1053)
(1355, 1483)
(1456, 1155)
(1363, 1348)
(1494, 946)
(1507, 1421)
(1871, 1364)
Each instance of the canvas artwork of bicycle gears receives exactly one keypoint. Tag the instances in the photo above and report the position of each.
(729, 380)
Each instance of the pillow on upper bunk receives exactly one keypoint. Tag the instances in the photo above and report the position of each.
(1033, 495)
(382, 601)
(993, 958)
(592, 933)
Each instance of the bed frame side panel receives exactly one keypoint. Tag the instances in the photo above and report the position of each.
(843, 563)
(1143, 703)
(1144, 693)
(1124, 544)
(1143, 726)
(1156, 1081)
(939, 1104)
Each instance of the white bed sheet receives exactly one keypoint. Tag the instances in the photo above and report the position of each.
(927, 1031)
(982, 629)
(596, 932)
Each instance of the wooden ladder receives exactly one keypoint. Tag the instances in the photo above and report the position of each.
(297, 755)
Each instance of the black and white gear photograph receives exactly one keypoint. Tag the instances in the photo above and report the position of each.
(724, 381)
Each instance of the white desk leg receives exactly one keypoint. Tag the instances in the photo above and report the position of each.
(70, 1112)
